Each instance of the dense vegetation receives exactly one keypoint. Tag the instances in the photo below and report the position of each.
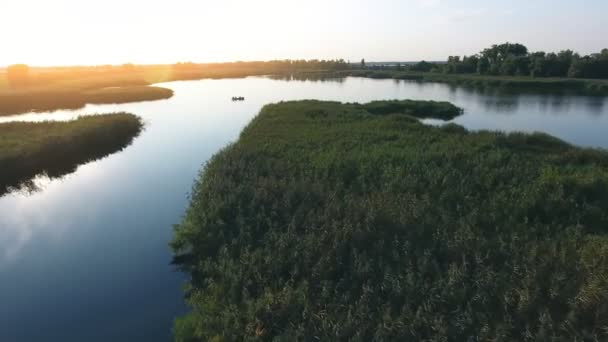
(515, 60)
(328, 222)
(127, 94)
(28, 149)
(519, 84)
(24, 89)
(19, 101)
(508, 66)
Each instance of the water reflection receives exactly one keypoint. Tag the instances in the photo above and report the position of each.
(494, 98)
(20, 227)
(27, 173)
(90, 250)
(595, 105)
(308, 77)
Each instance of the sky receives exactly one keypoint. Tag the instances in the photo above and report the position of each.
(89, 32)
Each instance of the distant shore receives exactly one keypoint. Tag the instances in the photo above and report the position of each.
(48, 89)
(522, 83)
(24, 89)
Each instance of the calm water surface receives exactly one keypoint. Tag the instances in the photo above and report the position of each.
(86, 258)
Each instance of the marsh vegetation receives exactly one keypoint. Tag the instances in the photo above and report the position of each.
(23, 101)
(333, 221)
(55, 149)
(24, 89)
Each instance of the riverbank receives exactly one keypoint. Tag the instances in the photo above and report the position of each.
(515, 83)
(57, 148)
(327, 221)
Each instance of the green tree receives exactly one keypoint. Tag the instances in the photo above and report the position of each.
(576, 68)
(422, 66)
(522, 65)
(483, 66)
(509, 66)
(538, 65)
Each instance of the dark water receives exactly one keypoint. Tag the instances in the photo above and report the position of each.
(86, 258)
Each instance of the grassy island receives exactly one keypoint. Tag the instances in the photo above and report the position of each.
(127, 94)
(54, 98)
(331, 222)
(57, 148)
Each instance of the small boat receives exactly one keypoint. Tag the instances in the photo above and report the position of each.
(238, 98)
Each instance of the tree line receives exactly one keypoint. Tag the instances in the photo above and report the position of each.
(284, 65)
(513, 59)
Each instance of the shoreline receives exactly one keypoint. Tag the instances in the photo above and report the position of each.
(591, 87)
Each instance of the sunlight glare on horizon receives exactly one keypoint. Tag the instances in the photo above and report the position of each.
(70, 32)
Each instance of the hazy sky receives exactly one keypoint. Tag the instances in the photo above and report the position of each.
(61, 32)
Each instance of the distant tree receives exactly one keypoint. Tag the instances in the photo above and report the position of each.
(452, 64)
(497, 54)
(538, 65)
(455, 65)
(512, 59)
(469, 64)
(552, 64)
(522, 65)
(454, 59)
(18, 75)
(591, 66)
(422, 66)
(576, 68)
(514, 49)
(363, 63)
(483, 66)
(508, 66)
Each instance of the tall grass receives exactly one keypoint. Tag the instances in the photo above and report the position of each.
(127, 94)
(49, 99)
(328, 222)
(57, 148)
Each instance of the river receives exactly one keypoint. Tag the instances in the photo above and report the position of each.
(86, 258)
